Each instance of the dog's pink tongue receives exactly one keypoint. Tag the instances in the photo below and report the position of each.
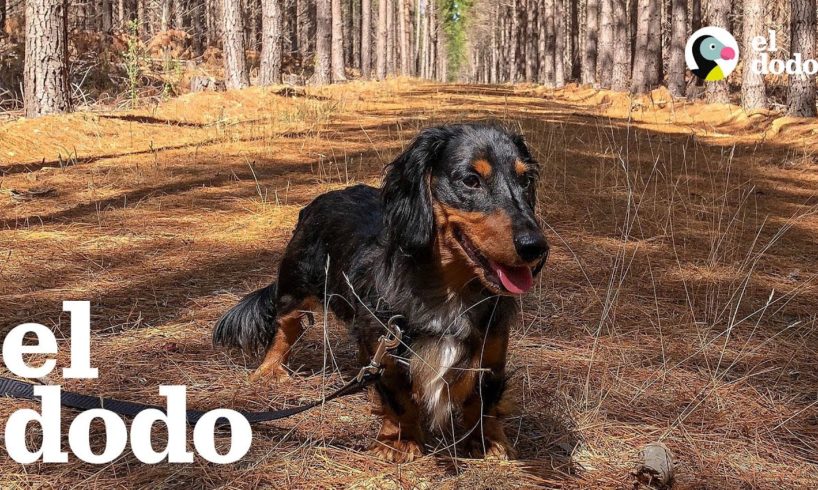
(516, 280)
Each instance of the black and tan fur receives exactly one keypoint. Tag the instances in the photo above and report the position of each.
(458, 196)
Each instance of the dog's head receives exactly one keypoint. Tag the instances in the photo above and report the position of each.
(466, 194)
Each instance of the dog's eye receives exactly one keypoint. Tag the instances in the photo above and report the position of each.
(525, 181)
(471, 181)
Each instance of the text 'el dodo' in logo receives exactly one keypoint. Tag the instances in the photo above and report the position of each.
(711, 53)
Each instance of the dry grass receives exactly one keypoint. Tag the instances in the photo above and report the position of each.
(679, 304)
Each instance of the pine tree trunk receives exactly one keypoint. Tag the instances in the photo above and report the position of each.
(2, 18)
(655, 44)
(179, 13)
(306, 28)
(356, 33)
(122, 16)
(82, 17)
(576, 67)
(541, 41)
(46, 83)
(495, 47)
(408, 30)
(591, 36)
(209, 32)
(514, 41)
(620, 77)
(366, 39)
(337, 40)
(644, 75)
(235, 65)
(427, 35)
(606, 44)
(403, 36)
(753, 94)
(801, 97)
(521, 40)
(155, 13)
(549, 72)
(289, 30)
(323, 43)
(380, 45)
(143, 20)
(530, 40)
(423, 31)
(433, 72)
(695, 15)
(559, 43)
(678, 38)
(253, 21)
(440, 50)
(197, 26)
(346, 14)
(533, 46)
(107, 16)
(390, 37)
(719, 16)
(633, 17)
(427, 42)
(271, 22)
(430, 41)
(639, 82)
(663, 25)
(502, 40)
(541, 20)
(416, 39)
(164, 19)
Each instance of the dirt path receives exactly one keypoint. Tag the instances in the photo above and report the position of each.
(679, 303)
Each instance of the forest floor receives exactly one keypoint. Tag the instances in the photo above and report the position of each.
(678, 305)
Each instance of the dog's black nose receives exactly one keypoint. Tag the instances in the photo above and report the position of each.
(531, 245)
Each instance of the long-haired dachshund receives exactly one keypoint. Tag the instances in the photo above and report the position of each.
(447, 241)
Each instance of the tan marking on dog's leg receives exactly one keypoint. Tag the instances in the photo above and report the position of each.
(288, 331)
(400, 439)
(487, 439)
(397, 442)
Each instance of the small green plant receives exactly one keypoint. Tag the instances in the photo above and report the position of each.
(172, 75)
(133, 56)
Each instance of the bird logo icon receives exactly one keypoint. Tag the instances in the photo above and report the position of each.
(711, 53)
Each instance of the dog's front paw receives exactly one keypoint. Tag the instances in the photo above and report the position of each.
(276, 374)
(397, 451)
(488, 448)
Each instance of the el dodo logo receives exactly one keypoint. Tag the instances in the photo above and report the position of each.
(49, 417)
(711, 53)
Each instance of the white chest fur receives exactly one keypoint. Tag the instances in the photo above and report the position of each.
(431, 371)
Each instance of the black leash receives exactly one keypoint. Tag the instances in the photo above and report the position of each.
(23, 390)
(366, 376)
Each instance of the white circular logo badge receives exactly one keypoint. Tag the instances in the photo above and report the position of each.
(711, 53)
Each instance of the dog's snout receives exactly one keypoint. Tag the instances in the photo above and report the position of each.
(531, 245)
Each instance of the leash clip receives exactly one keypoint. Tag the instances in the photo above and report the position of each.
(388, 341)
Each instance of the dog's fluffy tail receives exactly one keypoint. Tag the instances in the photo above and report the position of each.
(251, 324)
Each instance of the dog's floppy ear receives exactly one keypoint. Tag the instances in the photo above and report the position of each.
(525, 154)
(407, 200)
(519, 142)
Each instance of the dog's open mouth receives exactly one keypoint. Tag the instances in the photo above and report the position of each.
(505, 278)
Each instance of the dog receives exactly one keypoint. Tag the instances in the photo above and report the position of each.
(449, 242)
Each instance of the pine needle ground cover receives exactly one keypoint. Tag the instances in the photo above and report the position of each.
(678, 305)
